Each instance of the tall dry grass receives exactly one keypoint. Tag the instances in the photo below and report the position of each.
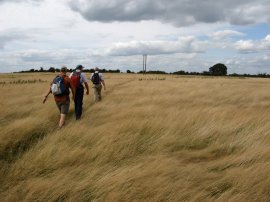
(150, 139)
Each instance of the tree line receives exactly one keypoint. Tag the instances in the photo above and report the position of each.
(218, 69)
(53, 69)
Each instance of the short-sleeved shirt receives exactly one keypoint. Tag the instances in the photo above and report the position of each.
(63, 98)
(100, 76)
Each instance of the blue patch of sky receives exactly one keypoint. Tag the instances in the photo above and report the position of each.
(215, 53)
(254, 32)
(202, 37)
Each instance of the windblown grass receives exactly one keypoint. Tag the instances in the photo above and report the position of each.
(150, 139)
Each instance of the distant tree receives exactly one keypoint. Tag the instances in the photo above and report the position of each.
(130, 72)
(32, 70)
(51, 69)
(205, 73)
(218, 69)
(235, 74)
(156, 72)
(181, 72)
(262, 75)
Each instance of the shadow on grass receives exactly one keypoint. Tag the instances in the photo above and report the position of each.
(13, 152)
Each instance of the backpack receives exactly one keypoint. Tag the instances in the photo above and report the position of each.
(76, 79)
(95, 78)
(58, 86)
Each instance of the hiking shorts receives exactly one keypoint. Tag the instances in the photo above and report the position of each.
(63, 106)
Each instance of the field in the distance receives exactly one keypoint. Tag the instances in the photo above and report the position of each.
(152, 138)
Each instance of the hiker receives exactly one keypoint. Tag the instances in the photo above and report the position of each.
(78, 79)
(97, 79)
(60, 89)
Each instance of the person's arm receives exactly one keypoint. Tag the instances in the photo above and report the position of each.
(91, 77)
(103, 83)
(46, 95)
(87, 88)
(85, 83)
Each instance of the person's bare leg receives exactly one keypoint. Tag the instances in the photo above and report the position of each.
(62, 120)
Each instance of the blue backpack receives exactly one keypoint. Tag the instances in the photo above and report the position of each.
(58, 87)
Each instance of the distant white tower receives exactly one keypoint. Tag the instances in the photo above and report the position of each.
(144, 62)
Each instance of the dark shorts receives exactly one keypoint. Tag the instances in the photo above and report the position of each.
(63, 106)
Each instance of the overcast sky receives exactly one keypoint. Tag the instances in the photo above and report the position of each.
(190, 35)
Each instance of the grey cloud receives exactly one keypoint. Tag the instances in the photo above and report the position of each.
(2, 1)
(177, 12)
(19, 1)
(7, 37)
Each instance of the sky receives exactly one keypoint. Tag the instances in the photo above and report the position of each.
(189, 35)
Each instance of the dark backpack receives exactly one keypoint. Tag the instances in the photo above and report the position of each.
(76, 79)
(58, 86)
(95, 78)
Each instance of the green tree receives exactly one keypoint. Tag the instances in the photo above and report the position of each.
(51, 69)
(218, 69)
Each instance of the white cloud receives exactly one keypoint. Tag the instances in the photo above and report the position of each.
(251, 46)
(225, 34)
(183, 45)
(267, 38)
(245, 46)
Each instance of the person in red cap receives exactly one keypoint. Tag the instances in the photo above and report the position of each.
(78, 79)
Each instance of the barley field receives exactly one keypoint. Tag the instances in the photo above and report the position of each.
(151, 138)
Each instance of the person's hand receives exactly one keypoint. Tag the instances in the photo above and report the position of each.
(44, 100)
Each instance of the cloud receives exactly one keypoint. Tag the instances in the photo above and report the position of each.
(18, 1)
(253, 46)
(3, 1)
(183, 45)
(54, 56)
(245, 64)
(176, 12)
(225, 34)
(245, 46)
(10, 36)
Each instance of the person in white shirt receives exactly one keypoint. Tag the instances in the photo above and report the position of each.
(78, 79)
(98, 81)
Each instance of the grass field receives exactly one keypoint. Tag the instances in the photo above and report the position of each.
(152, 138)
